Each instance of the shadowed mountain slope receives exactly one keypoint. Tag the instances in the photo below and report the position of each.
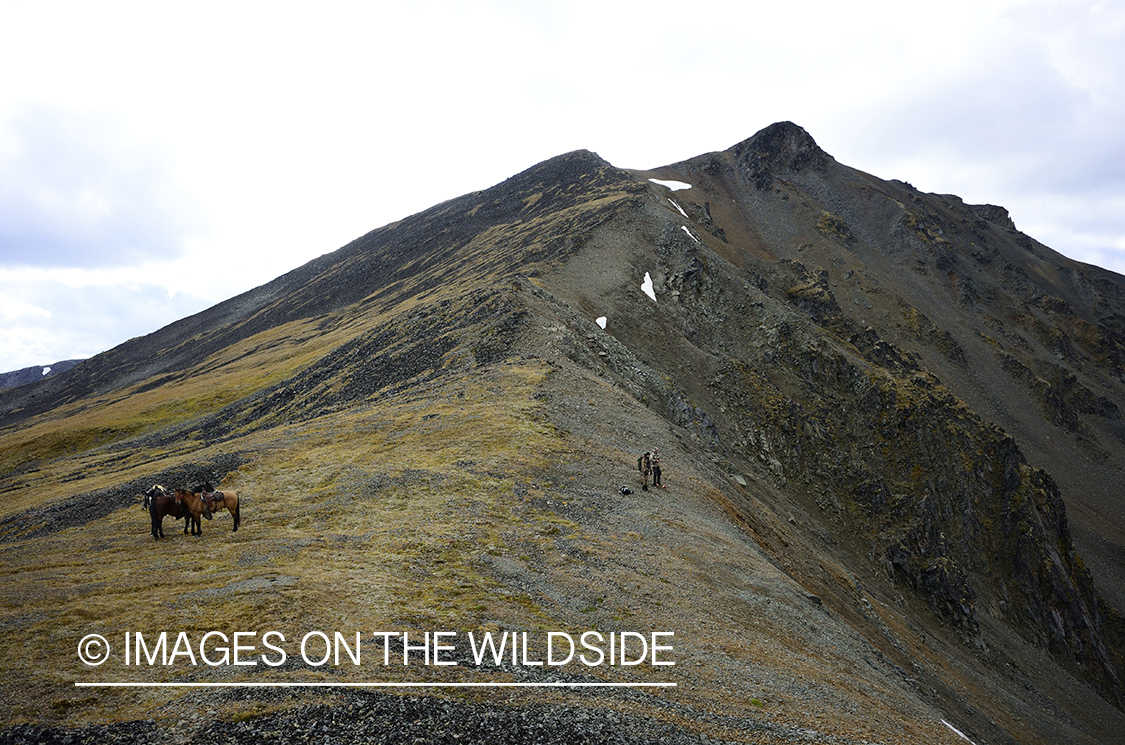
(409, 260)
(890, 423)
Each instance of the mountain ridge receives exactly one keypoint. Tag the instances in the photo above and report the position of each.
(846, 372)
(32, 374)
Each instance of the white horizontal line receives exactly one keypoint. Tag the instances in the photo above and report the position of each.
(374, 685)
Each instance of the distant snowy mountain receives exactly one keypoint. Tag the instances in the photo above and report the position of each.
(32, 374)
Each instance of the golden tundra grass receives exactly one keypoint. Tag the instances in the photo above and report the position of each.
(392, 516)
(64, 443)
(373, 519)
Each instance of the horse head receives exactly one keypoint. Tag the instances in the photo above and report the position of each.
(205, 503)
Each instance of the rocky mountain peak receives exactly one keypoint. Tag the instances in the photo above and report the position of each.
(780, 147)
(560, 170)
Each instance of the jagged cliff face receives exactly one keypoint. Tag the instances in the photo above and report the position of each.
(887, 394)
(884, 409)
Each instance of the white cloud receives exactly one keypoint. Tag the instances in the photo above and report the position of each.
(1029, 115)
(75, 192)
(14, 309)
(65, 315)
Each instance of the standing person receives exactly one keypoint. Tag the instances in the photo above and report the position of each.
(644, 464)
(656, 468)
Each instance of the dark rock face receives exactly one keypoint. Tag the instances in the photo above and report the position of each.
(775, 150)
(996, 214)
(950, 504)
(862, 402)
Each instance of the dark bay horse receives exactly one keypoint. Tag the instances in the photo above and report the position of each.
(194, 507)
(160, 504)
(218, 500)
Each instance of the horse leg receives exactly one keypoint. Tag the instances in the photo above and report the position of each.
(237, 517)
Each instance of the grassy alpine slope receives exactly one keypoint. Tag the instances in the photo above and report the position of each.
(360, 523)
(429, 432)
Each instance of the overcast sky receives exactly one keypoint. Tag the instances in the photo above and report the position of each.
(157, 158)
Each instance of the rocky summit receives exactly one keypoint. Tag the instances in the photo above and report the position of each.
(890, 435)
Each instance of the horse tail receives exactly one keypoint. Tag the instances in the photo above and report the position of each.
(237, 514)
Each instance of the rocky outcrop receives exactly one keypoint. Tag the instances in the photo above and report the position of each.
(777, 149)
(994, 213)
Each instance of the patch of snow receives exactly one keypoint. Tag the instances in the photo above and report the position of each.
(46, 370)
(673, 185)
(684, 228)
(646, 287)
(601, 321)
(959, 732)
(681, 209)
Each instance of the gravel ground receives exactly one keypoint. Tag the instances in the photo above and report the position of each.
(375, 717)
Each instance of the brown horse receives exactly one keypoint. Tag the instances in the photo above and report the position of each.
(160, 504)
(218, 500)
(228, 500)
(195, 507)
